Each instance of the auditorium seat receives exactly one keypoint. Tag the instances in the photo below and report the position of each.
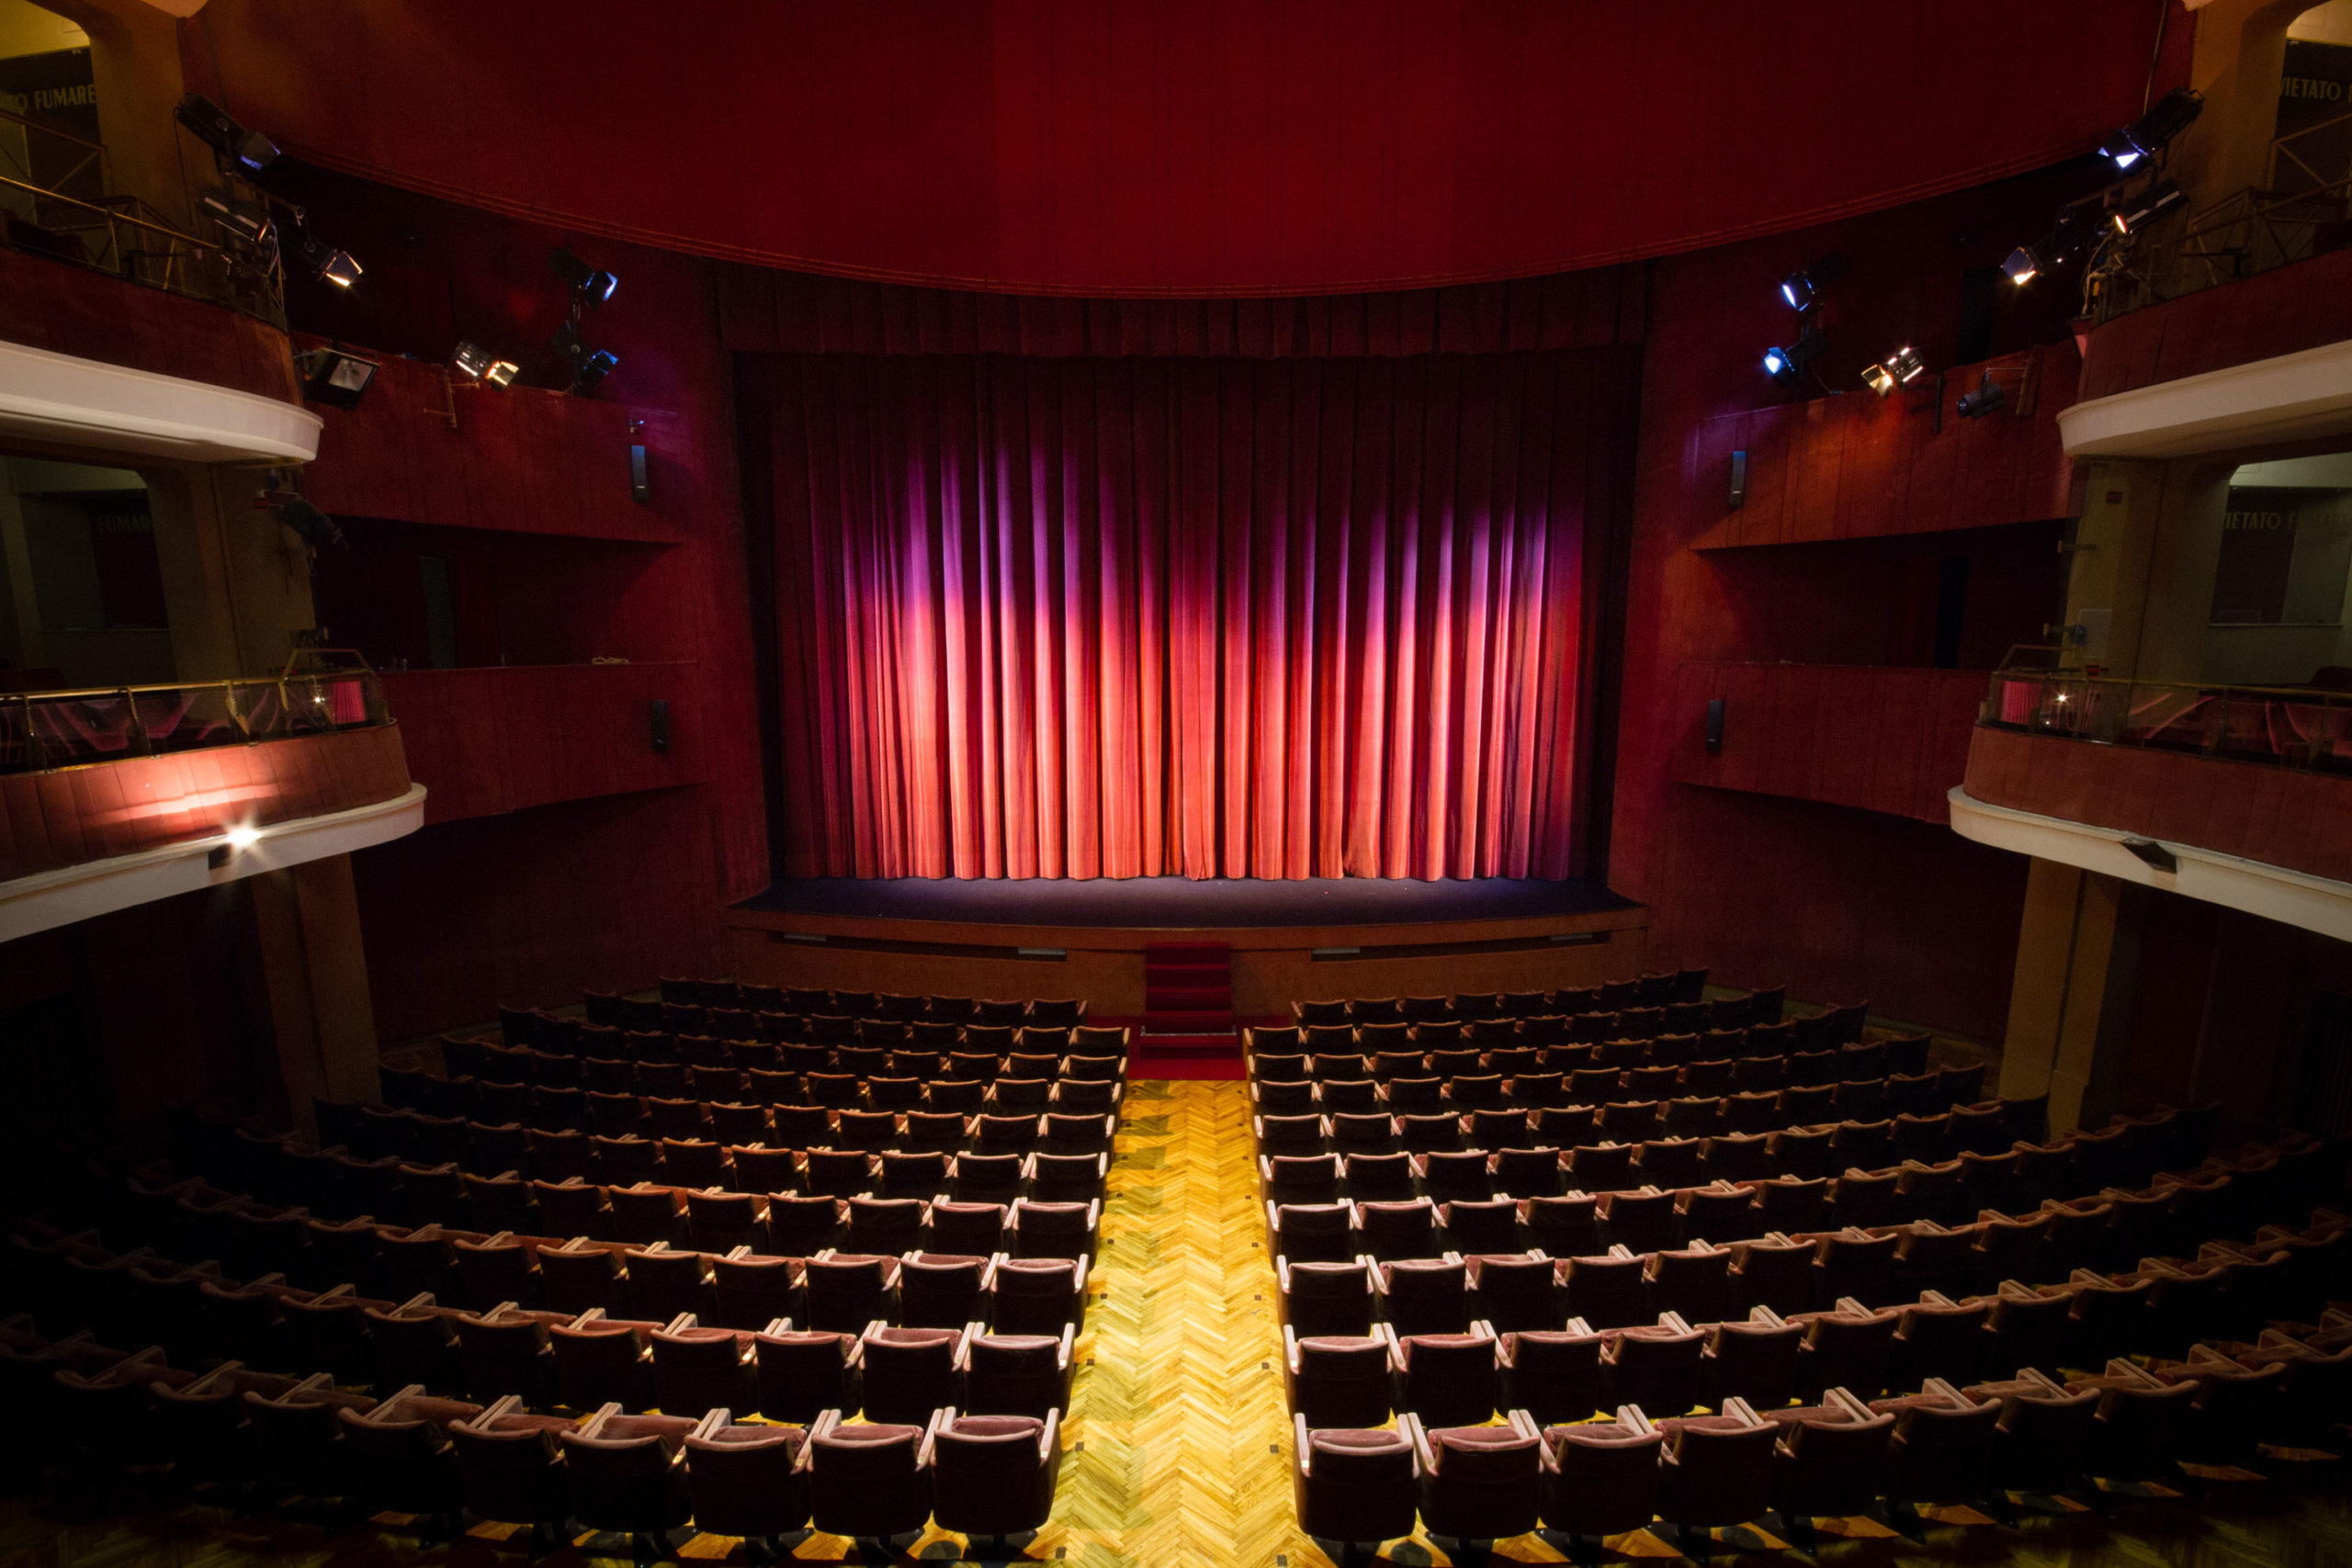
(1479, 1483)
(1353, 1486)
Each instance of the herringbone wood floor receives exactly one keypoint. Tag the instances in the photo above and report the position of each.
(1178, 1451)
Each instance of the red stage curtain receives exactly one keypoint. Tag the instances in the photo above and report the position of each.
(1147, 617)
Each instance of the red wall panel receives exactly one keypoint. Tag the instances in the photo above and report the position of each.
(70, 309)
(2277, 816)
(535, 907)
(1875, 738)
(487, 741)
(1241, 147)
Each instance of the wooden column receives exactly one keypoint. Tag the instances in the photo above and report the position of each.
(2070, 1003)
(316, 971)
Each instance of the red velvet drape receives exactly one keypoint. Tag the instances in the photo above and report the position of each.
(1141, 617)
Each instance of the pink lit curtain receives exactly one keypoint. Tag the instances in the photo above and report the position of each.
(1198, 617)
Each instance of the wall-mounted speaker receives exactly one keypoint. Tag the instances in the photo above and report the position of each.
(639, 490)
(657, 718)
(1737, 495)
(1715, 724)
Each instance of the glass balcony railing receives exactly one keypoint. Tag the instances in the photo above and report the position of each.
(63, 729)
(2283, 727)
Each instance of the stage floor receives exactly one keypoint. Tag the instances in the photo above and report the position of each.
(1175, 902)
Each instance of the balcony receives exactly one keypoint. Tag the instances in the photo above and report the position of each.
(110, 799)
(1887, 738)
(1868, 468)
(2239, 796)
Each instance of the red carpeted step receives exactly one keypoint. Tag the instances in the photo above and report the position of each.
(1185, 952)
(1188, 999)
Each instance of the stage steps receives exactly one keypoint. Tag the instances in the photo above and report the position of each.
(1188, 1007)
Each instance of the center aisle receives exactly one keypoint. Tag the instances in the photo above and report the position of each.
(1178, 1401)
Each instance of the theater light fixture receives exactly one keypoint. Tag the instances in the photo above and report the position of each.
(590, 286)
(1800, 290)
(1987, 397)
(1785, 364)
(2023, 266)
(589, 366)
(2135, 211)
(2146, 136)
(247, 151)
(335, 378)
(1897, 369)
(338, 267)
(476, 362)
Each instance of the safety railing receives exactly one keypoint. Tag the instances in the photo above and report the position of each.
(41, 730)
(2240, 236)
(64, 206)
(2284, 726)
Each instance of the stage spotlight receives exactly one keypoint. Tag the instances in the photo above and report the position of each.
(2023, 266)
(2161, 196)
(594, 369)
(338, 267)
(590, 287)
(1899, 368)
(335, 378)
(1785, 364)
(1987, 397)
(476, 362)
(589, 366)
(248, 152)
(2146, 136)
(1800, 290)
(248, 221)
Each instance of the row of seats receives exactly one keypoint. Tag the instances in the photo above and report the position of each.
(739, 1106)
(1658, 989)
(645, 1476)
(1466, 1373)
(302, 1242)
(369, 1133)
(662, 1058)
(1563, 1109)
(2108, 1226)
(878, 1004)
(1841, 1455)
(1722, 1056)
(654, 1342)
(628, 1352)
(761, 1039)
(1666, 1030)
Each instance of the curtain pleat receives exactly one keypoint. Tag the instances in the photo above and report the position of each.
(1135, 617)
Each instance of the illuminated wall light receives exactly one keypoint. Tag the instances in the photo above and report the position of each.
(242, 837)
(502, 372)
(1907, 364)
(1878, 379)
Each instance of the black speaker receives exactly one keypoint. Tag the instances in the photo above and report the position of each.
(1715, 724)
(656, 714)
(1737, 495)
(639, 490)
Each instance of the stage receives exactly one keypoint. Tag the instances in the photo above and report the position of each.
(1040, 937)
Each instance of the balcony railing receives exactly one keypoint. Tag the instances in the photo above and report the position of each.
(2238, 237)
(65, 205)
(2283, 727)
(62, 730)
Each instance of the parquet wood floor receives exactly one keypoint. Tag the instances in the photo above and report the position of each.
(1178, 1444)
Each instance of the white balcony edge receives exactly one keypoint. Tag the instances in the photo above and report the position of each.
(72, 893)
(2291, 898)
(2288, 396)
(58, 398)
